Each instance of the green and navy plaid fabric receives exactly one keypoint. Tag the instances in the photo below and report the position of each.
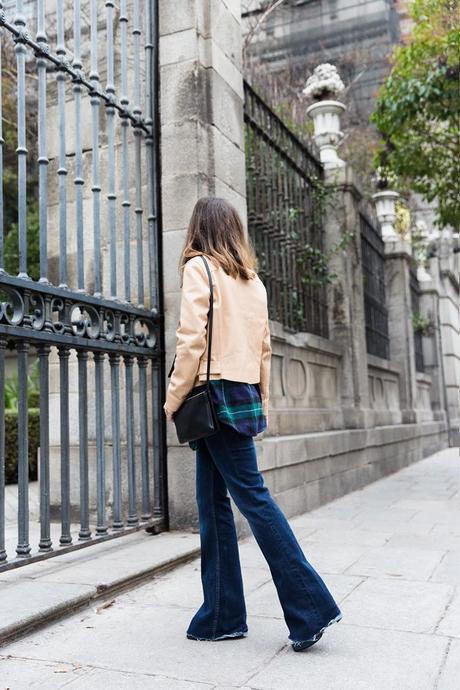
(237, 404)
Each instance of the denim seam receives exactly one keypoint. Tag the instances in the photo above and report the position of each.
(216, 616)
(296, 568)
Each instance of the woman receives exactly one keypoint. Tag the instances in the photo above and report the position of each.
(226, 460)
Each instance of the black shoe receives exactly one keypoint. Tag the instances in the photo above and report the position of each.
(300, 646)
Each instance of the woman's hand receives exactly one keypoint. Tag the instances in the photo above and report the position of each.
(169, 415)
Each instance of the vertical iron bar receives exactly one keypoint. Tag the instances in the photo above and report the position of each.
(45, 537)
(23, 547)
(146, 508)
(82, 355)
(116, 448)
(42, 146)
(64, 353)
(151, 161)
(137, 112)
(62, 169)
(96, 184)
(111, 191)
(21, 151)
(290, 255)
(2, 142)
(287, 303)
(101, 525)
(3, 554)
(124, 102)
(132, 509)
(78, 179)
(158, 460)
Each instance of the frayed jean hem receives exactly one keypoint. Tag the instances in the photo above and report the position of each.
(315, 637)
(240, 633)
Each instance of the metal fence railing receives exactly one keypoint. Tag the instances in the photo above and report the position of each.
(284, 218)
(373, 267)
(78, 157)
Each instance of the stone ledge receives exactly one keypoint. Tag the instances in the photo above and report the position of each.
(384, 364)
(310, 341)
(36, 594)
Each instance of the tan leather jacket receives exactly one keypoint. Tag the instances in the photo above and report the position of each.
(241, 349)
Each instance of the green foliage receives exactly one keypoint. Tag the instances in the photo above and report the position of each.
(422, 325)
(11, 393)
(11, 389)
(314, 262)
(10, 165)
(11, 444)
(418, 108)
(33, 246)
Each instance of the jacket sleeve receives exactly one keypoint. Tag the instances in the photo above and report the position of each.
(190, 333)
(265, 365)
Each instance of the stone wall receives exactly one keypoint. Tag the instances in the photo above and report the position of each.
(339, 418)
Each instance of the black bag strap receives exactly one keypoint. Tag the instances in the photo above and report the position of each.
(208, 325)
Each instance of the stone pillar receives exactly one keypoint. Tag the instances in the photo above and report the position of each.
(397, 287)
(429, 310)
(202, 150)
(432, 354)
(446, 269)
(345, 294)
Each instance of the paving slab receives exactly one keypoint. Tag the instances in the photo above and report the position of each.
(389, 561)
(340, 536)
(431, 541)
(448, 570)
(395, 604)
(331, 558)
(30, 674)
(450, 673)
(355, 658)
(120, 680)
(450, 622)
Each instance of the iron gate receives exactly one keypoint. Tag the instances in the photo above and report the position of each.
(283, 185)
(80, 281)
(375, 309)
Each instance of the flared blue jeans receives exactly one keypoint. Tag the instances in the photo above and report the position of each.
(227, 461)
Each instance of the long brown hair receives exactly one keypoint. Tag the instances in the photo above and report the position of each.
(215, 229)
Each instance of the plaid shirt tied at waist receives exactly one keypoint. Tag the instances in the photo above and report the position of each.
(237, 404)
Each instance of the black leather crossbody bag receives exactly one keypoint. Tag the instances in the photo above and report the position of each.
(196, 417)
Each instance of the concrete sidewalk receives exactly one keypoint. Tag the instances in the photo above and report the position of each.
(45, 590)
(390, 554)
